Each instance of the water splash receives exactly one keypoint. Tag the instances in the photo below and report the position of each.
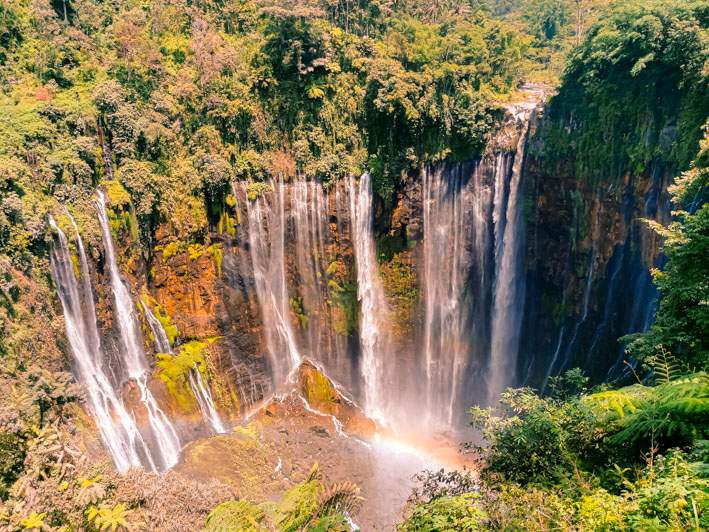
(117, 427)
(133, 357)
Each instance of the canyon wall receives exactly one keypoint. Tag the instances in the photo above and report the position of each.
(483, 274)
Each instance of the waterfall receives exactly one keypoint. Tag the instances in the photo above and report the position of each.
(267, 227)
(371, 296)
(162, 342)
(446, 234)
(199, 389)
(309, 212)
(205, 401)
(290, 239)
(116, 426)
(133, 356)
(509, 280)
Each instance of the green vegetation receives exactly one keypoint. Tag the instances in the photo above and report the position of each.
(174, 370)
(317, 389)
(682, 320)
(633, 458)
(345, 307)
(163, 317)
(399, 282)
(627, 459)
(165, 104)
(106, 516)
(637, 82)
(255, 190)
(309, 505)
(296, 305)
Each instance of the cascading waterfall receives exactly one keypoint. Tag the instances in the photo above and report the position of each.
(201, 392)
(309, 212)
(446, 259)
(509, 280)
(373, 340)
(290, 239)
(133, 357)
(267, 226)
(117, 427)
(205, 400)
(162, 342)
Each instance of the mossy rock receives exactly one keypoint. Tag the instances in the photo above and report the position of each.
(317, 389)
(174, 370)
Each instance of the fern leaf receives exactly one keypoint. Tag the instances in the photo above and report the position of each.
(341, 498)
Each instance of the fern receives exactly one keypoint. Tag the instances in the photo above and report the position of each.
(664, 366)
(306, 506)
(235, 515)
(676, 410)
(341, 498)
(618, 403)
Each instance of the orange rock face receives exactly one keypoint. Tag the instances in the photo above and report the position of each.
(188, 290)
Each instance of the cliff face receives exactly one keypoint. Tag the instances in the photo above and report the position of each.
(588, 260)
(496, 272)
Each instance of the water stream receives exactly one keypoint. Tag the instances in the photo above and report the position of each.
(201, 392)
(374, 308)
(134, 363)
(509, 281)
(117, 427)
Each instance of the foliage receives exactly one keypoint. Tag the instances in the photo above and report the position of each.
(12, 456)
(162, 316)
(602, 460)
(235, 515)
(540, 441)
(399, 282)
(308, 505)
(33, 521)
(673, 414)
(637, 80)
(108, 517)
(447, 514)
(174, 370)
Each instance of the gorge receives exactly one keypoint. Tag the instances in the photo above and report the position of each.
(460, 236)
(326, 266)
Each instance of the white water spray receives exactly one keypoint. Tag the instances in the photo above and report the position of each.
(267, 242)
(133, 357)
(446, 234)
(509, 281)
(374, 307)
(117, 427)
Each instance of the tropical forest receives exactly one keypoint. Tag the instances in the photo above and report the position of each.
(354, 265)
